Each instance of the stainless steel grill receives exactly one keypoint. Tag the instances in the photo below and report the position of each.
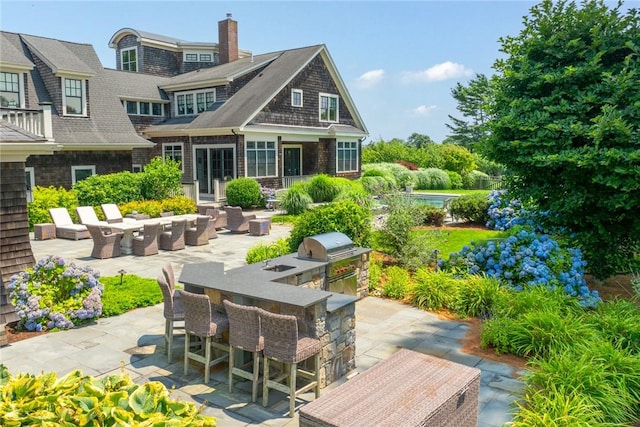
(336, 248)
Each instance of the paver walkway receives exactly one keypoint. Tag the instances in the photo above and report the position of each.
(133, 342)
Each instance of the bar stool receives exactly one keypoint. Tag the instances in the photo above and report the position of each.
(283, 344)
(173, 312)
(245, 334)
(202, 322)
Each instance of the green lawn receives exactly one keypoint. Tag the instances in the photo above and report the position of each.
(452, 240)
(460, 191)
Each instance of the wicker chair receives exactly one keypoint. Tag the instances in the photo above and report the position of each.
(104, 245)
(201, 321)
(283, 344)
(173, 312)
(244, 333)
(219, 218)
(199, 234)
(112, 213)
(237, 222)
(147, 243)
(65, 228)
(87, 215)
(173, 240)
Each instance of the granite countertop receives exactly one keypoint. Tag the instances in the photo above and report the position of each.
(253, 281)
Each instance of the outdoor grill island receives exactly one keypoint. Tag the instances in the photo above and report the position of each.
(319, 285)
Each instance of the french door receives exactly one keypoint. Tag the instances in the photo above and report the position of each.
(215, 162)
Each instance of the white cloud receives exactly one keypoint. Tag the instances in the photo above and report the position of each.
(445, 71)
(423, 110)
(370, 79)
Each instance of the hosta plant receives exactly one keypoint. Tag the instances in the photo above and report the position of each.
(54, 295)
(82, 400)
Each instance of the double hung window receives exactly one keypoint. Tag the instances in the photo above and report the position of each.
(347, 156)
(328, 108)
(10, 90)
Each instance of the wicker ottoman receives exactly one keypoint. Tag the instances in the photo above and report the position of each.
(407, 389)
(44, 231)
(259, 227)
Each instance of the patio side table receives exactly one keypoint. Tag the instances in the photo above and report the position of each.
(44, 231)
(259, 227)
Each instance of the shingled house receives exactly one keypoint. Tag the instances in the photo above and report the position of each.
(221, 111)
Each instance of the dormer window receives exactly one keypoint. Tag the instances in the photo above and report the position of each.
(74, 99)
(10, 89)
(329, 108)
(200, 57)
(194, 102)
(129, 59)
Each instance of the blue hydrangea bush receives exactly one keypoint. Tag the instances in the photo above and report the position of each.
(54, 295)
(527, 258)
(504, 213)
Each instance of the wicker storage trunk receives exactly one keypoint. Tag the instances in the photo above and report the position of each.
(408, 389)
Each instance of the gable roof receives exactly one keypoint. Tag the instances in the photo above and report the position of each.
(11, 57)
(137, 86)
(107, 127)
(240, 109)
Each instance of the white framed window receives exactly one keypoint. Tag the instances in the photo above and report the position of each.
(195, 56)
(78, 173)
(74, 97)
(296, 97)
(191, 57)
(206, 57)
(136, 168)
(347, 156)
(129, 59)
(30, 180)
(174, 152)
(194, 102)
(261, 158)
(143, 108)
(329, 108)
(11, 90)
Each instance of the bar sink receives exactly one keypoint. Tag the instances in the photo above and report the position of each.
(278, 267)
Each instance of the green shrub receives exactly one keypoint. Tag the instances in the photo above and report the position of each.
(456, 180)
(244, 192)
(153, 208)
(433, 290)
(435, 179)
(375, 274)
(45, 198)
(355, 193)
(296, 200)
(82, 400)
(473, 179)
(378, 185)
(402, 215)
(179, 205)
(118, 188)
(476, 296)
(618, 321)
(472, 208)
(122, 294)
(262, 251)
(397, 283)
(322, 188)
(161, 179)
(431, 215)
(496, 333)
(346, 217)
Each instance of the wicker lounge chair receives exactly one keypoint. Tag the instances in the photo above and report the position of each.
(86, 215)
(244, 333)
(173, 240)
(147, 242)
(113, 214)
(201, 321)
(199, 234)
(237, 222)
(105, 244)
(283, 344)
(173, 312)
(65, 228)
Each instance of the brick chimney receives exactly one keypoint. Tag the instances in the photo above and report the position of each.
(227, 40)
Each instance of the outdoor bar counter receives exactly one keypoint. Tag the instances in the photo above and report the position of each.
(325, 315)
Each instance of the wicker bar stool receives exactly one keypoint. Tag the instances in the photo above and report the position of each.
(204, 323)
(282, 343)
(245, 334)
(173, 312)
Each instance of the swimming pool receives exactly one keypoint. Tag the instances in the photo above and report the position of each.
(434, 199)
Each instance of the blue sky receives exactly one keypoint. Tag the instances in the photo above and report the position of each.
(398, 59)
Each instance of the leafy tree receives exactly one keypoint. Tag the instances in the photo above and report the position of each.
(161, 179)
(474, 102)
(567, 124)
(419, 141)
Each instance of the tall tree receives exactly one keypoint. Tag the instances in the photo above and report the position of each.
(474, 102)
(567, 124)
(419, 140)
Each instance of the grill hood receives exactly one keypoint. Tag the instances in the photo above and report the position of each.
(325, 247)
